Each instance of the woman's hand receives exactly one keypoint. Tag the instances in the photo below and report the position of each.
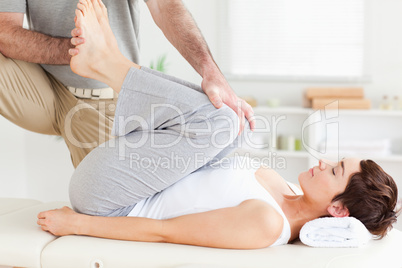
(59, 222)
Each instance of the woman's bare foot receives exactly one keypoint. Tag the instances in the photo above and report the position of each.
(60, 222)
(99, 56)
(95, 48)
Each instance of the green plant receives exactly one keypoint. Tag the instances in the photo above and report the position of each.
(160, 64)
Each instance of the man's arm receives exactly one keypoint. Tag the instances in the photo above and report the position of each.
(19, 43)
(180, 29)
(252, 224)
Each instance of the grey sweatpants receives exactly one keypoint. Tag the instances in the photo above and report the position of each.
(165, 129)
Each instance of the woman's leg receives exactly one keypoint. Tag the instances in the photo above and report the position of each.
(164, 140)
(117, 65)
(240, 139)
(166, 131)
(174, 79)
(99, 56)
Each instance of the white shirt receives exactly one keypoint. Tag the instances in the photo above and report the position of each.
(211, 188)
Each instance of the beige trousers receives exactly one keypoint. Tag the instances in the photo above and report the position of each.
(33, 99)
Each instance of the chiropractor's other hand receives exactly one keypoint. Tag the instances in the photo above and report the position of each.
(219, 91)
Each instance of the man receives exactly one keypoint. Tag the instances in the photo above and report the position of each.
(39, 92)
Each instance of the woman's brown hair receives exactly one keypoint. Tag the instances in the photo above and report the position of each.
(371, 197)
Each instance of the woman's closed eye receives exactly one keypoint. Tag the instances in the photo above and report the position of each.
(333, 171)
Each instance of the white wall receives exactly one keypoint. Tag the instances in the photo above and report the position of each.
(384, 53)
(12, 160)
(38, 166)
(154, 44)
(33, 165)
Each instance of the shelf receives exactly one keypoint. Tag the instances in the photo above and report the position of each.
(304, 154)
(272, 153)
(372, 112)
(385, 158)
(295, 110)
(282, 110)
(295, 154)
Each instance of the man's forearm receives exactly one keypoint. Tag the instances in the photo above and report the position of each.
(181, 30)
(19, 43)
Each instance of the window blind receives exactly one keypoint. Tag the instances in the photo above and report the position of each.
(292, 38)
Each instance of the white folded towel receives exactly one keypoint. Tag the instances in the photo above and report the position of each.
(331, 232)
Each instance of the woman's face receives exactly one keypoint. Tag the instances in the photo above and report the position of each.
(328, 179)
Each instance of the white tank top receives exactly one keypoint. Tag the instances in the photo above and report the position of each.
(212, 188)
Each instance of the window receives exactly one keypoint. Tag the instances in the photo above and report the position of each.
(299, 39)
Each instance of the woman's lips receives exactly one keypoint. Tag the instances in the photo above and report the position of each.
(311, 172)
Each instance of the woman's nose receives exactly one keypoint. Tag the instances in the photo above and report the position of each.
(321, 164)
(324, 162)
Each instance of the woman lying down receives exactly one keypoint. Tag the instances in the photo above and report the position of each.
(122, 191)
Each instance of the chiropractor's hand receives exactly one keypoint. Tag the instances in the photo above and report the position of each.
(219, 91)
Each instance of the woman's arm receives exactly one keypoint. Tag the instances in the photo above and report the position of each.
(252, 224)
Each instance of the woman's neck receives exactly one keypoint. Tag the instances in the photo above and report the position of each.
(299, 211)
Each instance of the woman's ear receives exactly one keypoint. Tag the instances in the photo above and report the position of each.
(337, 209)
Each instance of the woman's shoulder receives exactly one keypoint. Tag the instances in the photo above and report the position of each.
(268, 171)
(268, 217)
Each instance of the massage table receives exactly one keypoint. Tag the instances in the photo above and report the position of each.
(24, 244)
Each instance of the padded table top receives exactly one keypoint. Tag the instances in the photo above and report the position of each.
(8, 205)
(22, 240)
(112, 253)
(24, 244)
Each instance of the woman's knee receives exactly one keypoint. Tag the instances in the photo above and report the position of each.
(87, 184)
(87, 196)
(80, 198)
(225, 125)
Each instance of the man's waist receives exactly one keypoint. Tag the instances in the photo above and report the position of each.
(93, 93)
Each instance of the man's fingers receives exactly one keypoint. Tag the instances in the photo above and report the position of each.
(242, 121)
(235, 105)
(77, 41)
(213, 96)
(245, 111)
(239, 106)
(249, 113)
(76, 32)
(73, 51)
(216, 100)
(251, 120)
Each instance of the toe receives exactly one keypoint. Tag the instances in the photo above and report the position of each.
(97, 9)
(82, 8)
(79, 16)
(89, 4)
(103, 7)
(86, 3)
